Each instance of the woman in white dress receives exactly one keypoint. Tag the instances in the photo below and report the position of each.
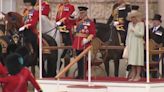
(135, 44)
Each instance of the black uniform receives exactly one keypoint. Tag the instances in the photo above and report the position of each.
(120, 13)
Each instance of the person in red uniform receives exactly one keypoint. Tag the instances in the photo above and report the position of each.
(64, 12)
(45, 8)
(29, 29)
(85, 31)
(3, 69)
(18, 77)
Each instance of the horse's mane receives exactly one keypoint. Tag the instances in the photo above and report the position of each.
(15, 20)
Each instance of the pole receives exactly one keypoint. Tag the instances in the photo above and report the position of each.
(40, 37)
(89, 68)
(1, 5)
(11, 5)
(147, 42)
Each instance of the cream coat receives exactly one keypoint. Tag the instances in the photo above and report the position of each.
(135, 44)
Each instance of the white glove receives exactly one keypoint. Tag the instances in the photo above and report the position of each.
(115, 23)
(58, 23)
(85, 41)
(21, 29)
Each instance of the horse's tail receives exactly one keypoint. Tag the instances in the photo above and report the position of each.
(96, 43)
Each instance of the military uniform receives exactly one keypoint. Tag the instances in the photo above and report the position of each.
(85, 28)
(32, 18)
(3, 70)
(64, 12)
(45, 8)
(31, 33)
(18, 75)
(119, 14)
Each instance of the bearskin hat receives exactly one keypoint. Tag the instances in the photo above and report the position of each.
(13, 62)
(33, 2)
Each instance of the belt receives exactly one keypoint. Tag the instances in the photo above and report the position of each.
(81, 35)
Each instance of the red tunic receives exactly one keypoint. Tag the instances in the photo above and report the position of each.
(3, 70)
(66, 12)
(32, 18)
(45, 8)
(86, 27)
(18, 82)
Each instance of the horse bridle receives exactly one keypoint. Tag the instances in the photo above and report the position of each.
(14, 34)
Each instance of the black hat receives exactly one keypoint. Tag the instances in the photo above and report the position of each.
(157, 17)
(135, 7)
(33, 2)
(82, 8)
(13, 63)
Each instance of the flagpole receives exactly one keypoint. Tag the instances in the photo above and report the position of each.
(40, 38)
(1, 5)
(147, 42)
(11, 5)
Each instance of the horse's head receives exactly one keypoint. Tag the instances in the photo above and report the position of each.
(10, 22)
(14, 21)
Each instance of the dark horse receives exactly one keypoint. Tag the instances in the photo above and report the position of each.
(108, 35)
(12, 40)
(49, 63)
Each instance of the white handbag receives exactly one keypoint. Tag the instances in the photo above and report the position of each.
(125, 53)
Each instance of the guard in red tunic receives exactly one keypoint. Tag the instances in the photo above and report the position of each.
(19, 76)
(3, 69)
(31, 19)
(45, 8)
(85, 31)
(64, 11)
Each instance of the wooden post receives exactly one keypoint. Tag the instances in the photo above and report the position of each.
(73, 62)
(89, 68)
